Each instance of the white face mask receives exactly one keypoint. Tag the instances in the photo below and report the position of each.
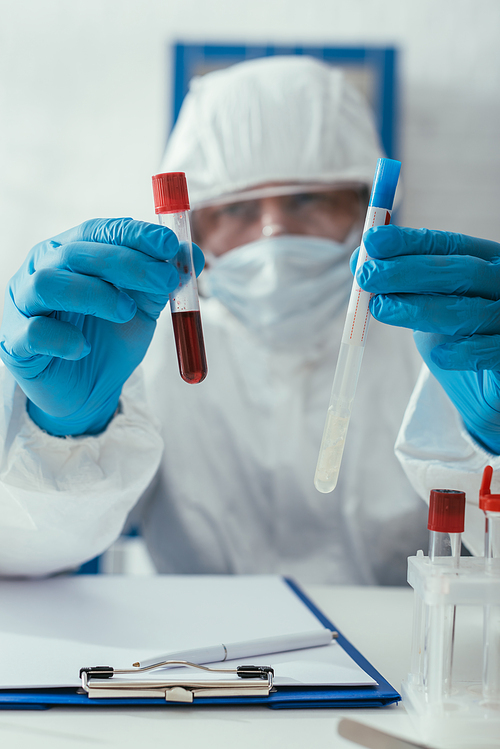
(286, 289)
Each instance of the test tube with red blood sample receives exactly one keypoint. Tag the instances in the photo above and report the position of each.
(172, 208)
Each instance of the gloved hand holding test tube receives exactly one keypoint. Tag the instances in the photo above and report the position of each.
(353, 337)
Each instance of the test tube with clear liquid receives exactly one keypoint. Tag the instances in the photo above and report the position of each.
(353, 339)
(172, 208)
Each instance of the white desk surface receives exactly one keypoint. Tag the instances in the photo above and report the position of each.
(376, 620)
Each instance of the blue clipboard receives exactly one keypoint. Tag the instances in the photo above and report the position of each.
(283, 696)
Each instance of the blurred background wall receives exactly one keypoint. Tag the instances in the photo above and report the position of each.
(85, 101)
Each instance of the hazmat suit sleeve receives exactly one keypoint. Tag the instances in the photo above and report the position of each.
(437, 452)
(64, 500)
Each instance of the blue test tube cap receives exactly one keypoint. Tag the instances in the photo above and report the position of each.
(385, 183)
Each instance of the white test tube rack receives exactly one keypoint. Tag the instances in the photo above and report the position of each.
(452, 714)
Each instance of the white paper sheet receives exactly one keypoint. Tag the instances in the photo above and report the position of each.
(49, 629)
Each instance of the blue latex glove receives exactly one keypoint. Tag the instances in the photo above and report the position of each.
(446, 287)
(79, 317)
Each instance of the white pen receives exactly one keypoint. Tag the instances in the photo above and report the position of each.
(248, 649)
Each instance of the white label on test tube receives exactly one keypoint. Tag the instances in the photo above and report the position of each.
(185, 297)
(358, 313)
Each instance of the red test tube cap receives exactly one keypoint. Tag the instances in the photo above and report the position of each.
(446, 511)
(170, 192)
(488, 502)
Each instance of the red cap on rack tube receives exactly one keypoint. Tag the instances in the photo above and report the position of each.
(488, 502)
(446, 511)
(170, 192)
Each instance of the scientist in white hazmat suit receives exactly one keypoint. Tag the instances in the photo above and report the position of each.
(279, 154)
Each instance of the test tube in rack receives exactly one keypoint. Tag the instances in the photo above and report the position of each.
(490, 504)
(446, 524)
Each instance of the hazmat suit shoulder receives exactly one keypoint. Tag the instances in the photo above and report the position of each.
(437, 452)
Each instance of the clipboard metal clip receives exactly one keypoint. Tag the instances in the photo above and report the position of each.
(100, 682)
